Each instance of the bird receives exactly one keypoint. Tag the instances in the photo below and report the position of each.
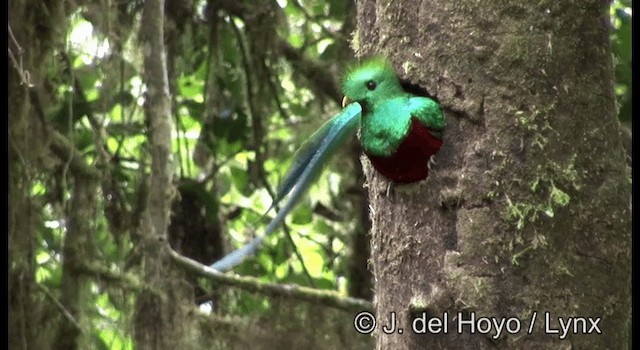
(399, 133)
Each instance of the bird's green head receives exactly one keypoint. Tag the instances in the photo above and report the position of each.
(370, 82)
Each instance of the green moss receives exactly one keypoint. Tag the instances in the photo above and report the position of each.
(519, 213)
(549, 190)
(418, 303)
(355, 41)
(409, 68)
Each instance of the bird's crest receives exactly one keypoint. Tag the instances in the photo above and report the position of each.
(379, 63)
(376, 69)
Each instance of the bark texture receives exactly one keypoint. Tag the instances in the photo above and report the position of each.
(78, 249)
(528, 207)
(160, 321)
(34, 35)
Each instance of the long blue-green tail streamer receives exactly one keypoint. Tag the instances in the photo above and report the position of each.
(307, 165)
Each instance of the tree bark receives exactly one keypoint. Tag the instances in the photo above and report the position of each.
(32, 37)
(527, 209)
(78, 249)
(160, 321)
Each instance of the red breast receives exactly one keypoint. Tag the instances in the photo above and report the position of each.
(409, 162)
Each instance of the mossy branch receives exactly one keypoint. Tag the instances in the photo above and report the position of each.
(323, 297)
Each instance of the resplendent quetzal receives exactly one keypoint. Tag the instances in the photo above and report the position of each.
(399, 133)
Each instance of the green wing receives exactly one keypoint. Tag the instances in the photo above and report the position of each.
(428, 112)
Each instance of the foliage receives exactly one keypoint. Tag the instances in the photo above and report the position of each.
(621, 41)
(241, 107)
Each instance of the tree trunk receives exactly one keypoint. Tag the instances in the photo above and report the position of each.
(33, 35)
(527, 209)
(78, 249)
(160, 320)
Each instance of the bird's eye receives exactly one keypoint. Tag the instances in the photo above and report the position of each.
(371, 85)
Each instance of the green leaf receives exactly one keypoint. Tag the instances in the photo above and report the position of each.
(296, 40)
(314, 262)
(622, 37)
(191, 88)
(195, 108)
(324, 283)
(231, 125)
(337, 9)
(281, 271)
(301, 215)
(86, 76)
(330, 52)
(240, 179)
(625, 108)
(83, 139)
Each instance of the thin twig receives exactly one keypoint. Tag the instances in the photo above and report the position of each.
(333, 35)
(67, 163)
(60, 307)
(25, 77)
(274, 89)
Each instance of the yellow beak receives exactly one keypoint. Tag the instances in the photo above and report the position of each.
(345, 101)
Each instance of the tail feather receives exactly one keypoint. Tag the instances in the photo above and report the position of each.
(308, 163)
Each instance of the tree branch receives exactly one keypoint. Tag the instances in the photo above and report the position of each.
(61, 146)
(66, 151)
(60, 307)
(120, 278)
(158, 116)
(325, 297)
(314, 71)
